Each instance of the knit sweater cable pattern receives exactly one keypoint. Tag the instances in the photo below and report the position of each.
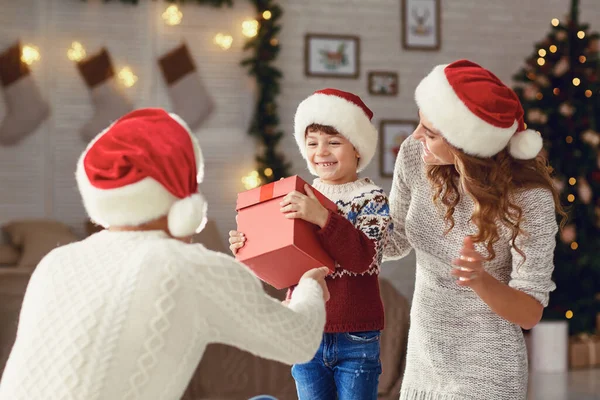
(128, 315)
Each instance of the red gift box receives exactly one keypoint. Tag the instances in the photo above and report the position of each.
(277, 249)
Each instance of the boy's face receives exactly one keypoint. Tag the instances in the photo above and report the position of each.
(332, 156)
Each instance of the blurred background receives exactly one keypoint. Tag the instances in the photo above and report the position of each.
(236, 70)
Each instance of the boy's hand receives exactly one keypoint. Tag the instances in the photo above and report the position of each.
(306, 207)
(236, 241)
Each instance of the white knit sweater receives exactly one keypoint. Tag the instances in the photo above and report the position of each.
(458, 349)
(127, 315)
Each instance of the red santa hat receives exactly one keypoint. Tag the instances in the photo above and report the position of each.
(475, 111)
(345, 112)
(144, 166)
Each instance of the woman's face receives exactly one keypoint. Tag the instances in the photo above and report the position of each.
(436, 151)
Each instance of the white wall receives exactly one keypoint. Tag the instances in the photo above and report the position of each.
(36, 176)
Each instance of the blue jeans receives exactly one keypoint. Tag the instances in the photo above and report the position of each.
(346, 367)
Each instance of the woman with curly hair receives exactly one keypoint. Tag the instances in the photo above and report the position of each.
(473, 196)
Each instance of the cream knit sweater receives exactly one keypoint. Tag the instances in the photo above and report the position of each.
(458, 349)
(127, 315)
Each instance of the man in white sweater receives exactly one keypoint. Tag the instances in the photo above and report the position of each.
(127, 313)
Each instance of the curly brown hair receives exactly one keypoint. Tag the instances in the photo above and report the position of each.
(491, 183)
(330, 130)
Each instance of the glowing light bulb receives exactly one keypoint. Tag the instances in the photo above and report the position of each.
(542, 52)
(569, 314)
(541, 61)
(76, 52)
(127, 76)
(172, 15)
(251, 180)
(250, 27)
(267, 14)
(555, 21)
(30, 54)
(223, 41)
(268, 172)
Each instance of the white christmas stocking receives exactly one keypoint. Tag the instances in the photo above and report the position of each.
(110, 103)
(190, 99)
(25, 107)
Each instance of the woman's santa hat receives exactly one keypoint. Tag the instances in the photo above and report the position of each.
(475, 111)
(144, 166)
(343, 111)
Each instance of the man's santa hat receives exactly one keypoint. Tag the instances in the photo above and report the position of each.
(144, 166)
(345, 112)
(475, 111)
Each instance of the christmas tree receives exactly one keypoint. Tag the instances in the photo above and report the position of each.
(560, 92)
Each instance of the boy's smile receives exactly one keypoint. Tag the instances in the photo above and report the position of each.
(332, 156)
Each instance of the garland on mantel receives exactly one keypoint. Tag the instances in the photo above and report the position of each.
(271, 165)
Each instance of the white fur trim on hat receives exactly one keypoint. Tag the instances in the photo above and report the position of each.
(347, 118)
(143, 201)
(525, 145)
(448, 114)
(197, 149)
(131, 205)
(187, 216)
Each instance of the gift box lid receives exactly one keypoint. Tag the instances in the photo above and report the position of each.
(278, 189)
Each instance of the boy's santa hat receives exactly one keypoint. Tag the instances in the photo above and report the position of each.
(144, 166)
(343, 111)
(475, 111)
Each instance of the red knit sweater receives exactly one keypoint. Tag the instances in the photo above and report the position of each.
(354, 238)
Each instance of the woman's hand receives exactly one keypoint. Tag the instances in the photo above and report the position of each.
(306, 207)
(468, 268)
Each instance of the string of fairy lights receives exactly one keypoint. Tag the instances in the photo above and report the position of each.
(566, 110)
(171, 16)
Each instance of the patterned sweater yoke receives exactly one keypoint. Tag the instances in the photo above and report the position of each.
(365, 206)
(354, 237)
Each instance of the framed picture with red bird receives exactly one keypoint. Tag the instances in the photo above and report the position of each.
(331, 56)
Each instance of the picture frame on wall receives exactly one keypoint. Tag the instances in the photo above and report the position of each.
(421, 25)
(392, 132)
(331, 56)
(383, 83)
